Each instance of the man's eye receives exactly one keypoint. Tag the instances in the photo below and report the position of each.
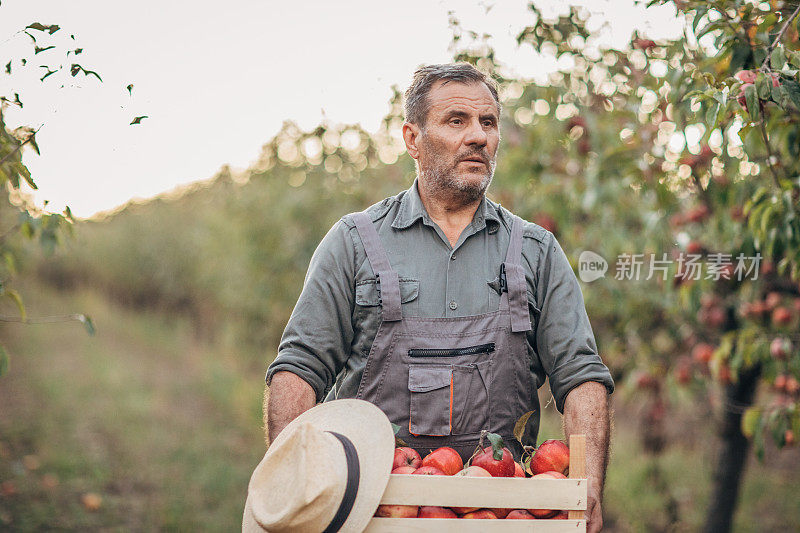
(488, 123)
(455, 121)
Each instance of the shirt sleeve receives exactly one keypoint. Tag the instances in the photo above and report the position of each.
(316, 342)
(564, 338)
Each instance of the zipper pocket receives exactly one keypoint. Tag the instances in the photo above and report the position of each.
(452, 352)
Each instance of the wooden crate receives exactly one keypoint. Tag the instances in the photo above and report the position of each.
(509, 493)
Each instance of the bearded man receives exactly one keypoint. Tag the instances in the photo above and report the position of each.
(440, 306)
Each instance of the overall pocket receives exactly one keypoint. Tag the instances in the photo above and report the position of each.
(449, 389)
(471, 397)
(430, 387)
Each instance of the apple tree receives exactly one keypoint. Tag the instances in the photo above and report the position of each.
(677, 161)
(20, 219)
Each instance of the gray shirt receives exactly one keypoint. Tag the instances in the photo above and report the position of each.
(330, 332)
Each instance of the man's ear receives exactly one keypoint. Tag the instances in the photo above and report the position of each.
(411, 134)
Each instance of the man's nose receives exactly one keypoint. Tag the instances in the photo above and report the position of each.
(476, 135)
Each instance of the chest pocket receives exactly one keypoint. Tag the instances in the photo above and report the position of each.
(368, 295)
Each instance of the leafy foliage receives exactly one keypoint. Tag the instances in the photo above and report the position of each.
(662, 149)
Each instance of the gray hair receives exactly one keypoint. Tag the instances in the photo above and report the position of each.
(416, 96)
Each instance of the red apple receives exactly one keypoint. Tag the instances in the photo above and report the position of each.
(470, 471)
(772, 300)
(780, 348)
(781, 316)
(518, 470)
(480, 514)
(698, 213)
(431, 511)
(474, 471)
(745, 76)
(520, 514)
(406, 457)
(724, 374)
(428, 471)
(683, 373)
(546, 513)
(562, 515)
(694, 248)
(550, 455)
(702, 352)
(780, 382)
(404, 470)
(501, 513)
(644, 380)
(503, 467)
(788, 437)
(445, 459)
(742, 99)
(397, 511)
(792, 386)
(543, 513)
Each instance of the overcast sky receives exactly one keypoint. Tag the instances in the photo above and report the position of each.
(217, 79)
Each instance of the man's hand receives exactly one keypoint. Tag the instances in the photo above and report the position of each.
(594, 512)
(286, 398)
(586, 411)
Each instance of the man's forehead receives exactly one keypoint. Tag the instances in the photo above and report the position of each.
(445, 95)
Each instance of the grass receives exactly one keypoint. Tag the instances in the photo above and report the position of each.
(167, 430)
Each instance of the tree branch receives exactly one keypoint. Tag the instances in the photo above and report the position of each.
(769, 154)
(43, 319)
(779, 37)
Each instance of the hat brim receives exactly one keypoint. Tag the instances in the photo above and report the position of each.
(371, 433)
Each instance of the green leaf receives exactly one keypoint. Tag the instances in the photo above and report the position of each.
(711, 116)
(752, 102)
(395, 427)
(794, 58)
(3, 361)
(17, 299)
(792, 90)
(778, 58)
(750, 421)
(763, 86)
(497, 445)
(519, 427)
(51, 29)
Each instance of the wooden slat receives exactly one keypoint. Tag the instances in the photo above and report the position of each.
(462, 491)
(448, 525)
(577, 467)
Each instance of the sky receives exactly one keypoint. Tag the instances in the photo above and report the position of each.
(217, 79)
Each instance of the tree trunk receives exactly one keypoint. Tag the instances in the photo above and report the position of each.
(733, 454)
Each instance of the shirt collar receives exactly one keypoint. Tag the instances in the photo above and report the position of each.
(412, 209)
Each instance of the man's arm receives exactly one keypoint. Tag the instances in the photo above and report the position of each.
(286, 398)
(586, 411)
(316, 342)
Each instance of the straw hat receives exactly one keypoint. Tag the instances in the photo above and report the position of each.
(333, 454)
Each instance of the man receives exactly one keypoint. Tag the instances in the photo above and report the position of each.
(440, 306)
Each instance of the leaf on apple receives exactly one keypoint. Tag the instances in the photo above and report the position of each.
(497, 445)
(398, 442)
(519, 427)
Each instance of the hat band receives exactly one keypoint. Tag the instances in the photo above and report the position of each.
(350, 491)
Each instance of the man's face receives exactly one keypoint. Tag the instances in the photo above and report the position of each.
(458, 145)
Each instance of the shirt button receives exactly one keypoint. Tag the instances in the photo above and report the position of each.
(453, 257)
(453, 305)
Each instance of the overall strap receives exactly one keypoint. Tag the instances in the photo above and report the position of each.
(388, 281)
(515, 282)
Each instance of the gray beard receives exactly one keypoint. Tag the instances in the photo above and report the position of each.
(446, 184)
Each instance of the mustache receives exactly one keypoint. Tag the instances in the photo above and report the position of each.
(480, 154)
